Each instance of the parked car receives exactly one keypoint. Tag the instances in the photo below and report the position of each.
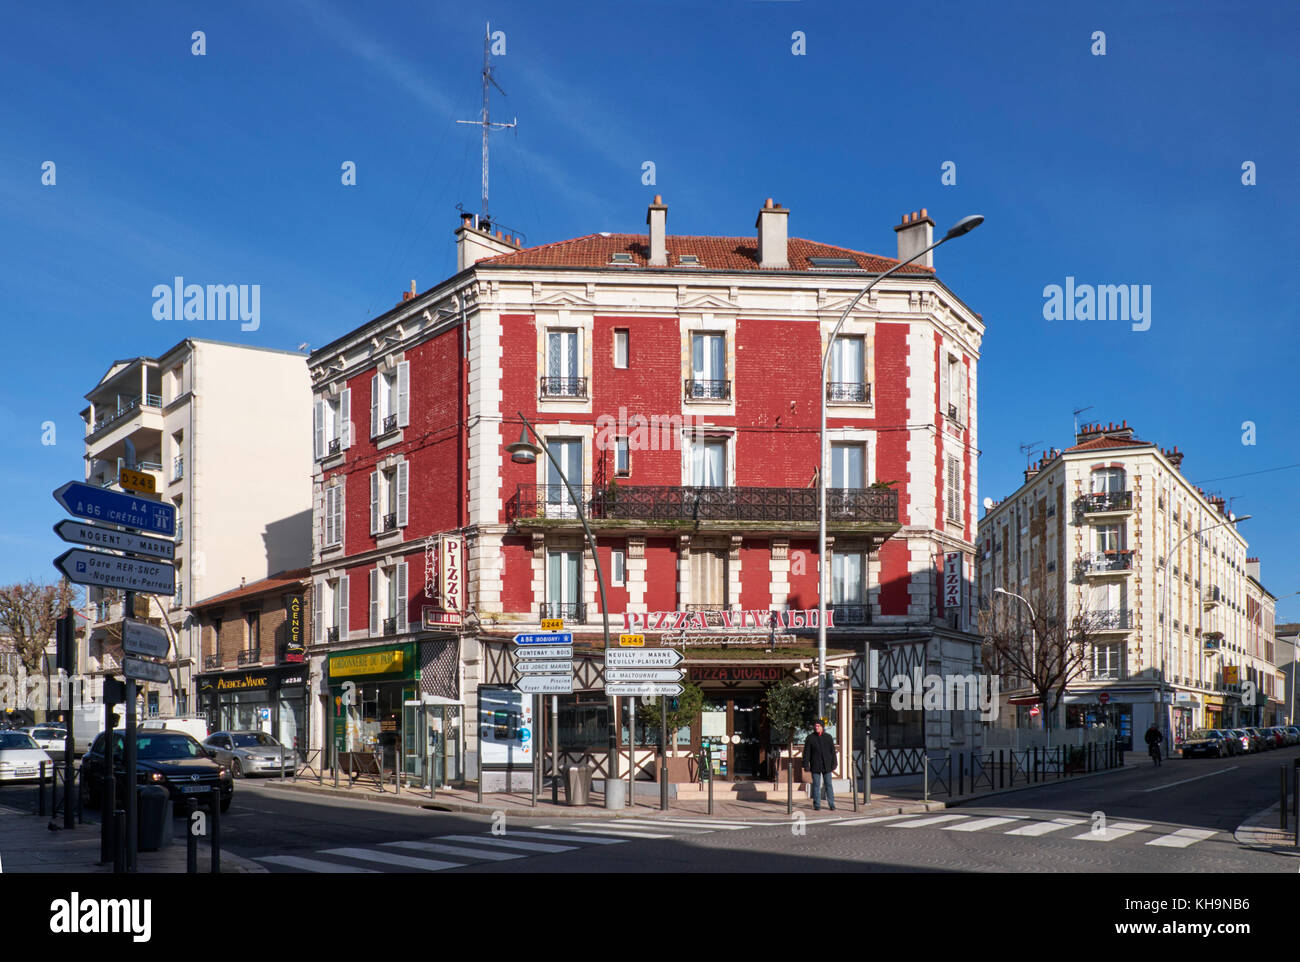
(52, 738)
(251, 753)
(1233, 741)
(1266, 741)
(1279, 735)
(196, 726)
(20, 757)
(1294, 732)
(171, 759)
(1249, 743)
(1205, 742)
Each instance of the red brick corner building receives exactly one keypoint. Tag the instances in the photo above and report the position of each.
(676, 380)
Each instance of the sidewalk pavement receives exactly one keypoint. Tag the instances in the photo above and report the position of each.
(28, 845)
(1261, 831)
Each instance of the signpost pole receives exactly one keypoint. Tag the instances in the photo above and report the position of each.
(663, 753)
(130, 801)
(555, 749)
(537, 724)
(68, 659)
(631, 751)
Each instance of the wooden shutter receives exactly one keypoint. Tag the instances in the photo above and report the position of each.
(374, 602)
(331, 498)
(403, 602)
(339, 498)
(943, 383)
(374, 501)
(343, 609)
(374, 404)
(403, 394)
(962, 404)
(954, 489)
(316, 593)
(318, 429)
(345, 416)
(403, 472)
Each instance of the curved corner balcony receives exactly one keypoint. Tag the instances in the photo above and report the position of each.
(872, 512)
(1105, 563)
(1104, 502)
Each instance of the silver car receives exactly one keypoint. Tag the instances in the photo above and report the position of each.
(251, 753)
(20, 757)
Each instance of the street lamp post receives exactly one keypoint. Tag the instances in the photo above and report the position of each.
(1033, 651)
(963, 226)
(524, 451)
(1164, 647)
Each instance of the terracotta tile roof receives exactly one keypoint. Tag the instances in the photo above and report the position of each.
(714, 253)
(1096, 444)
(277, 581)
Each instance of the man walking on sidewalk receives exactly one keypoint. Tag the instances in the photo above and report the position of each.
(819, 759)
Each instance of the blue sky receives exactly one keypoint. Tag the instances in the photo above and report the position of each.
(1116, 169)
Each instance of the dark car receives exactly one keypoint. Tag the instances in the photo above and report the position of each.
(1266, 740)
(1247, 742)
(171, 759)
(1206, 742)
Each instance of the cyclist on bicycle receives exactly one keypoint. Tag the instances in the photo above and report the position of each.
(1154, 738)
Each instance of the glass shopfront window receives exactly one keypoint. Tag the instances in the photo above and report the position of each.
(583, 724)
(897, 729)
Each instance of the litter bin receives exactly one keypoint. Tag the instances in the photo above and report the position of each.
(155, 808)
(577, 784)
(615, 793)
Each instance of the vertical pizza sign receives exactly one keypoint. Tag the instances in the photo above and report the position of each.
(952, 581)
(451, 582)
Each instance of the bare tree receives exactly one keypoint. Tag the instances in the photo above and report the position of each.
(28, 612)
(1047, 649)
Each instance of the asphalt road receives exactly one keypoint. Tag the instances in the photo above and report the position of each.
(1176, 818)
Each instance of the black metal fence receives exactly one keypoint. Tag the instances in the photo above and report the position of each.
(965, 773)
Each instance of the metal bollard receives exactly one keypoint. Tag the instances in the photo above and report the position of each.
(295, 778)
(40, 793)
(710, 792)
(1002, 772)
(107, 806)
(961, 775)
(1282, 808)
(925, 781)
(1296, 793)
(191, 840)
(119, 842)
(215, 830)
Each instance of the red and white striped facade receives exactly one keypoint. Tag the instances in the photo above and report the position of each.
(422, 400)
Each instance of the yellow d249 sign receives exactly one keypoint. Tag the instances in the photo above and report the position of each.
(631, 641)
(141, 481)
(552, 624)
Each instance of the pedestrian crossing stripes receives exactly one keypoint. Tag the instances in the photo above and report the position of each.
(1102, 832)
(1043, 828)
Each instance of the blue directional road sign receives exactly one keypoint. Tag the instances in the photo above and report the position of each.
(546, 638)
(115, 571)
(129, 511)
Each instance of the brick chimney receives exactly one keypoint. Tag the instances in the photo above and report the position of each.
(915, 234)
(475, 242)
(773, 236)
(657, 218)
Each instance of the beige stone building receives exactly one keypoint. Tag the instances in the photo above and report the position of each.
(225, 429)
(1115, 530)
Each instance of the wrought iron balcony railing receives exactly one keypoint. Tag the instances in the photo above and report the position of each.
(1106, 561)
(626, 502)
(697, 390)
(574, 611)
(575, 387)
(1105, 501)
(1108, 673)
(332, 634)
(390, 522)
(849, 391)
(390, 626)
(1116, 619)
(335, 446)
(850, 615)
(211, 661)
(390, 424)
(178, 468)
(249, 656)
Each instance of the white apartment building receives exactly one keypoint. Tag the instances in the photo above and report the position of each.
(1114, 530)
(225, 429)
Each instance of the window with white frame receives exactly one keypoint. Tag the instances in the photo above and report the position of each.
(388, 599)
(709, 462)
(330, 610)
(620, 347)
(390, 399)
(1110, 537)
(332, 424)
(568, 452)
(709, 367)
(709, 577)
(389, 488)
(564, 365)
(848, 465)
(1108, 661)
(622, 457)
(848, 372)
(848, 578)
(618, 566)
(1108, 481)
(954, 498)
(952, 385)
(563, 584)
(333, 515)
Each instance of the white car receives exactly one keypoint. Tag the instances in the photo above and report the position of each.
(21, 757)
(52, 738)
(196, 726)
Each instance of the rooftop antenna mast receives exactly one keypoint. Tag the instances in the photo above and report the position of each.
(486, 123)
(1028, 450)
(1077, 412)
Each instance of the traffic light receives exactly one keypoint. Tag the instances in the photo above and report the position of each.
(674, 704)
(65, 643)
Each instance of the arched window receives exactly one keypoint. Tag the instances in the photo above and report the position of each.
(1108, 480)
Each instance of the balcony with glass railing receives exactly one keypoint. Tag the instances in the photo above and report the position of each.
(126, 411)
